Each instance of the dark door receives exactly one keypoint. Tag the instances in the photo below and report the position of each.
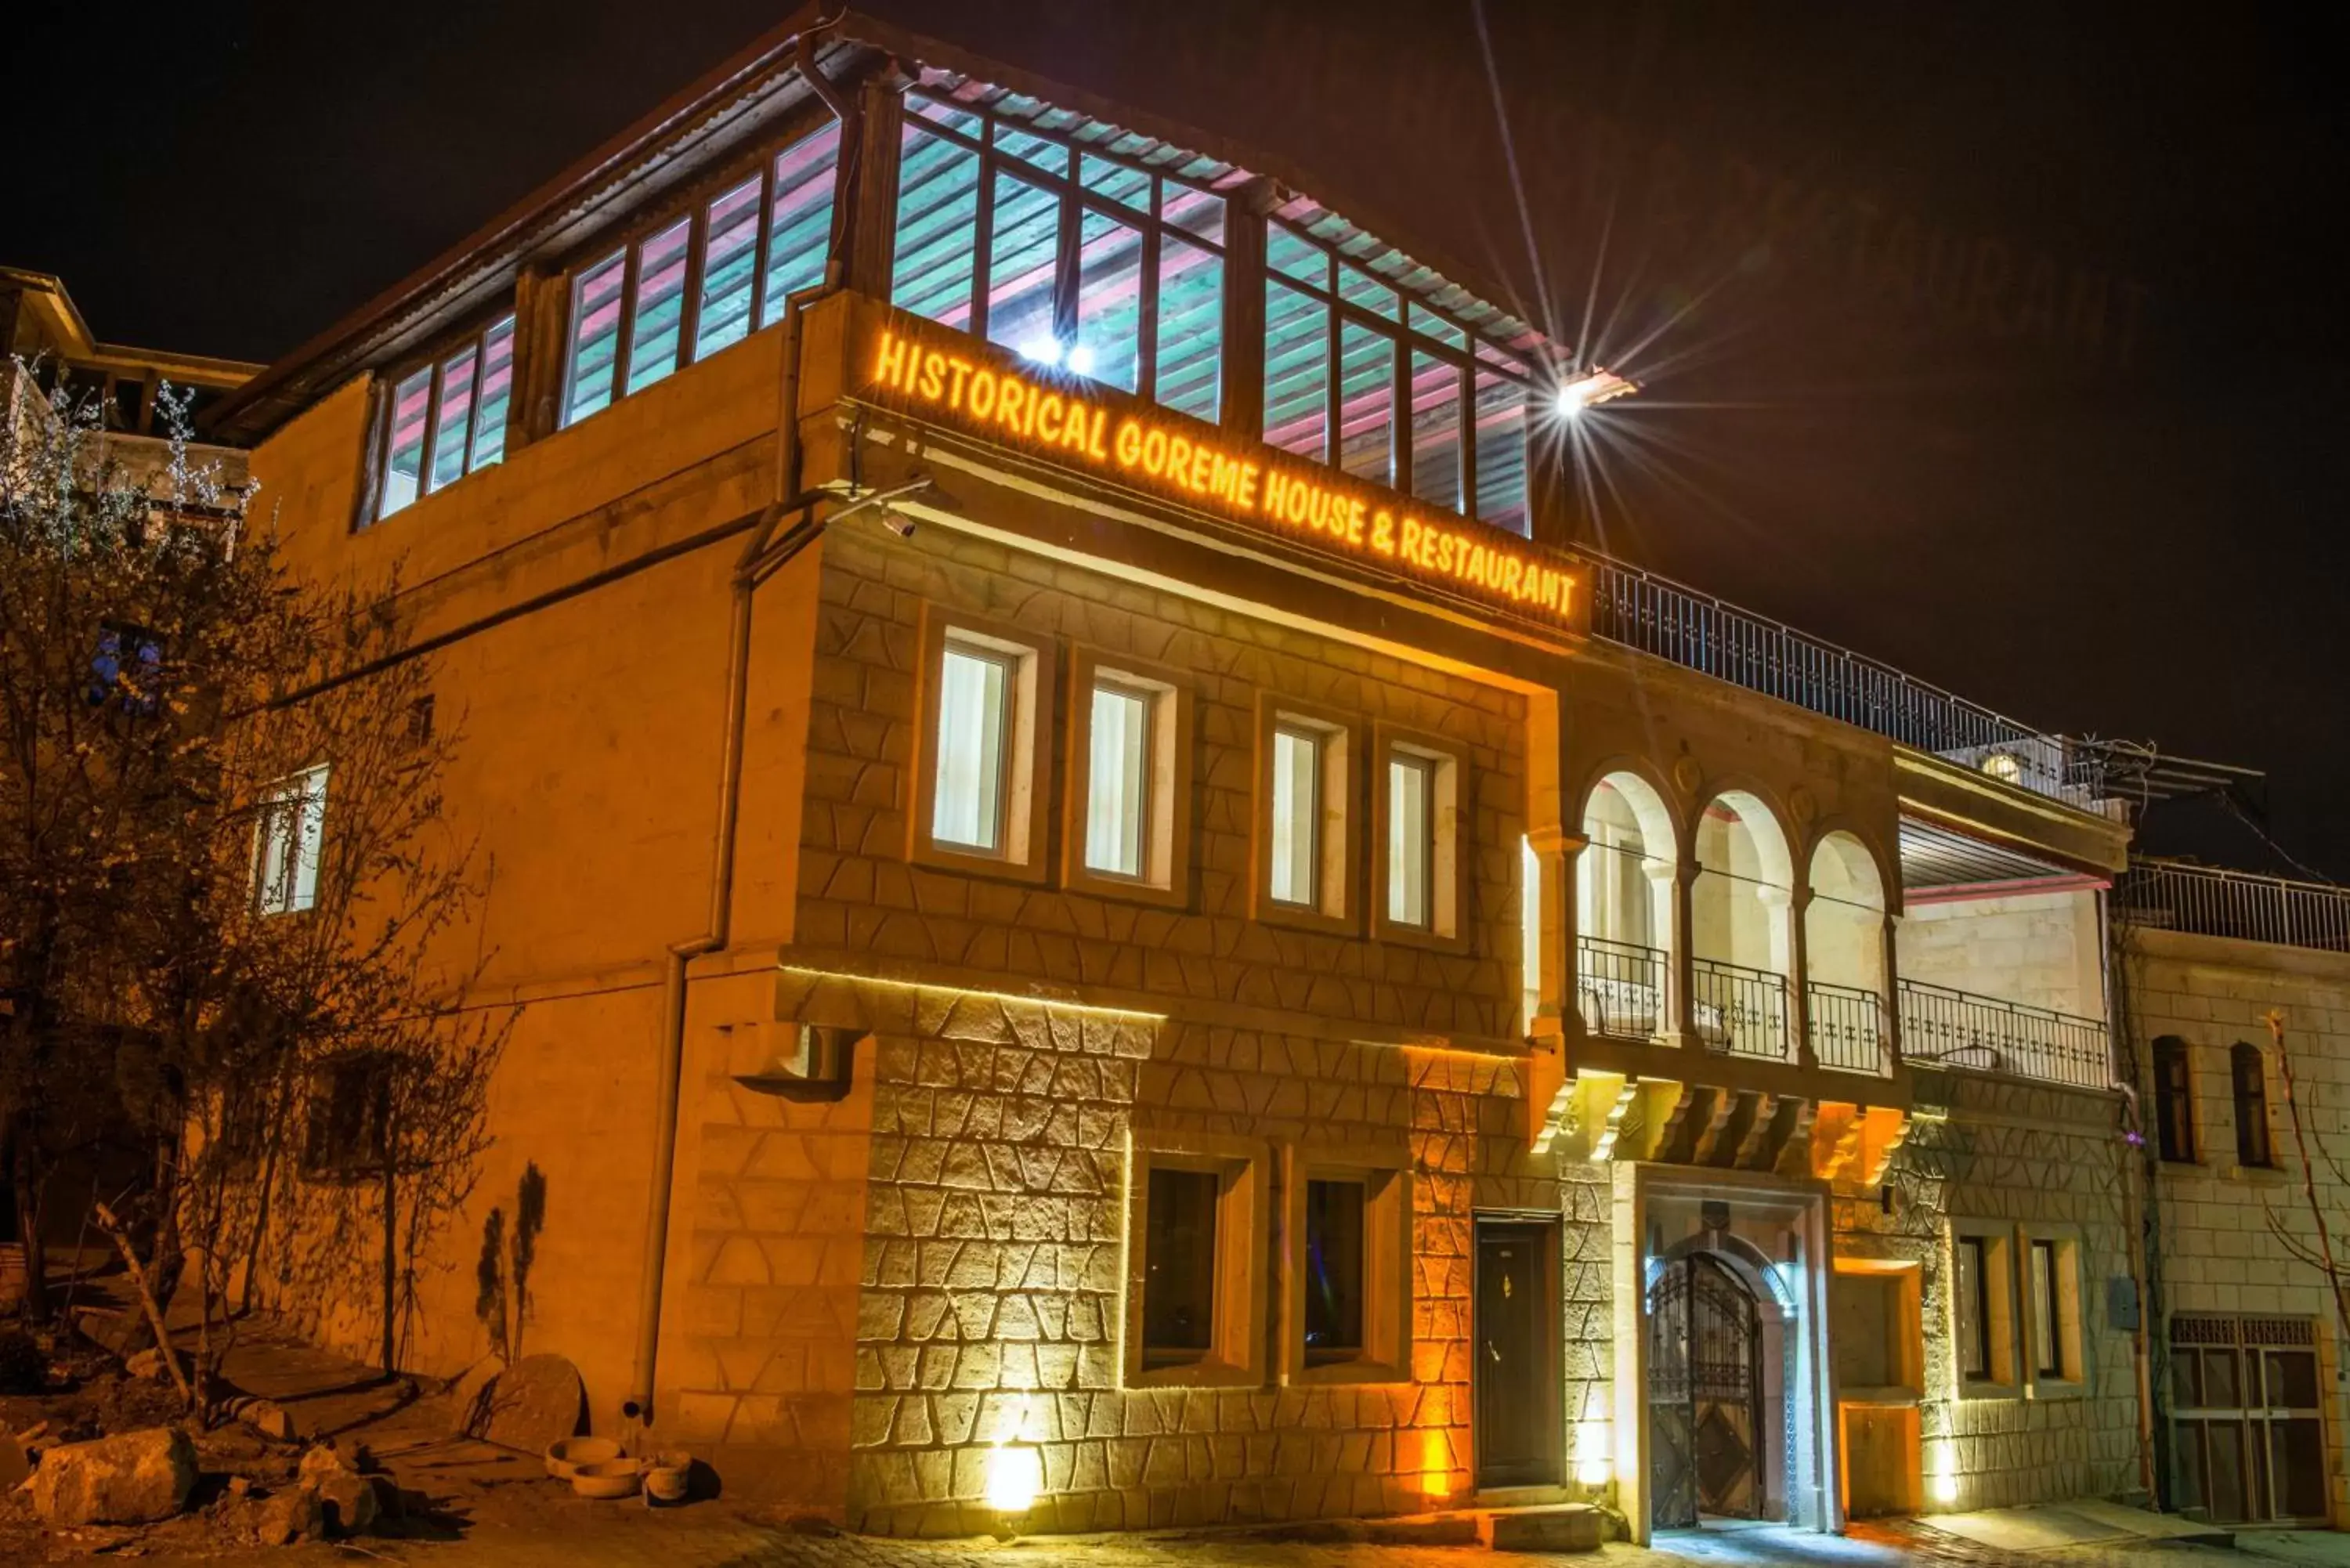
(1705, 1383)
(1517, 1353)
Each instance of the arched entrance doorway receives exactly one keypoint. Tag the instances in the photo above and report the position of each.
(1705, 1393)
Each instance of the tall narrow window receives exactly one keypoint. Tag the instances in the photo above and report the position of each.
(1530, 934)
(1118, 761)
(799, 228)
(453, 417)
(1334, 1271)
(1972, 1294)
(1023, 256)
(1501, 446)
(1366, 403)
(2048, 1330)
(289, 830)
(1178, 1289)
(496, 394)
(1191, 341)
(1109, 346)
(1295, 835)
(1436, 431)
(403, 469)
(658, 321)
(2174, 1099)
(595, 336)
(974, 720)
(1296, 372)
(2251, 1085)
(938, 228)
(1411, 839)
(730, 263)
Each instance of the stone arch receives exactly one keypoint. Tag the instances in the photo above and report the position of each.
(1631, 855)
(1745, 884)
(1844, 919)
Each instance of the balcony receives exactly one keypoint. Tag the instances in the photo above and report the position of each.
(1621, 987)
(1945, 1028)
(2176, 896)
(1739, 1011)
(1698, 631)
(1846, 1025)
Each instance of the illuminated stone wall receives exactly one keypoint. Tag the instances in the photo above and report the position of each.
(2031, 1155)
(2234, 1241)
(2043, 949)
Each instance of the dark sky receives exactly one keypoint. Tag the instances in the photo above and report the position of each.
(2002, 342)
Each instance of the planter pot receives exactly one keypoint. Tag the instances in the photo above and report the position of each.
(607, 1478)
(565, 1455)
(667, 1477)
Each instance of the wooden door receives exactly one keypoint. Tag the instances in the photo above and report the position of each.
(1516, 1350)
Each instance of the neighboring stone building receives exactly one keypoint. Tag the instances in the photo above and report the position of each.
(1071, 826)
(2247, 1378)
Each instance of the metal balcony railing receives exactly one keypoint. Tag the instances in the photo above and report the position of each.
(1700, 632)
(1846, 1028)
(1946, 1028)
(2207, 902)
(1739, 1010)
(1621, 987)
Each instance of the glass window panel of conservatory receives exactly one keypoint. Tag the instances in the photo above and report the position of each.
(1052, 157)
(660, 305)
(938, 228)
(595, 336)
(1424, 320)
(1291, 255)
(1022, 260)
(1502, 450)
(497, 394)
(942, 113)
(1116, 181)
(1296, 372)
(1358, 287)
(1191, 329)
(1436, 431)
(1366, 403)
(449, 444)
(729, 256)
(1196, 213)
(403, 468)
(1110, 302)
(799, 229)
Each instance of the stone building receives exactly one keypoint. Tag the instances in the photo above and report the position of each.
(2246, 1397)
(1106, 920)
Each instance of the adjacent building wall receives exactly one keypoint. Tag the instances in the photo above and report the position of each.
(2041, 950)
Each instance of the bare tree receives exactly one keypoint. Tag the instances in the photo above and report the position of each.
(2319, 1257)
(230, 909)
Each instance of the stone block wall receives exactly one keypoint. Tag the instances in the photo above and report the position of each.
(2234, 1241)
(2042, 949)
(2030, 1155)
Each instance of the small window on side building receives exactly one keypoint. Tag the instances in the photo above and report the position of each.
(289, 829)
(347, 1131)
(2250, 1075)
(2174, 1100)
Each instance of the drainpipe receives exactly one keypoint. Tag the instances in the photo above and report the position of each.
(762, 554)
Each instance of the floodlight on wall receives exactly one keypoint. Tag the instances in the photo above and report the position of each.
(1044, 348)
(1590, 389)
(1594, 1453)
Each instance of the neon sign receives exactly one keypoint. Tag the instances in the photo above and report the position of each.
(1176, 455)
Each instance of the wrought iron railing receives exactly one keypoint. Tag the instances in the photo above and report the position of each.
(1700, 632)
(1621, 986)
(2204, 899)
(1739, 1010)
(1946, 1028)
(1846, 1025)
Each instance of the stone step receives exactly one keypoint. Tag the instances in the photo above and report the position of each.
(1569, 1526)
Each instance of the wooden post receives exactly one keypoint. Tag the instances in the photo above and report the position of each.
(542, 301)
(1243, 362)
(870, 188)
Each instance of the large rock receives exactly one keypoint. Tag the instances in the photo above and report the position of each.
(290, 1515)
(132, 1478)
(531, 1404)
(469, 1400)
(349, 1503)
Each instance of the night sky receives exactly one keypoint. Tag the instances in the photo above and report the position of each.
(2005, 343)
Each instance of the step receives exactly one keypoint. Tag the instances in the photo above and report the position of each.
(1568, 1527)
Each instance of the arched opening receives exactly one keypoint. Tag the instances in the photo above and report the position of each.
(1739, 929)
(1624, 909)
(1844, 956)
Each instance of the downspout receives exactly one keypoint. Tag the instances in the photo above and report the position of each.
(762, 554)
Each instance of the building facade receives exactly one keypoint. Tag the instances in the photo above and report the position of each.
(1106, 923)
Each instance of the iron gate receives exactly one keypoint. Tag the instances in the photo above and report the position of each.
(1705, 1385)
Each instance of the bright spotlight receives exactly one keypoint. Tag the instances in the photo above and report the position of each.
(1590, 390)
(1045, 349)
(1081, 359)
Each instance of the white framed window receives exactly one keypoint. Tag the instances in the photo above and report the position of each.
(1295, 825)
(982, 774)
(288, 831)
(975, 688)
(1129, 747)
(1418, 862)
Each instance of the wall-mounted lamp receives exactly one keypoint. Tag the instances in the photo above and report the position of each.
(1591, 390)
